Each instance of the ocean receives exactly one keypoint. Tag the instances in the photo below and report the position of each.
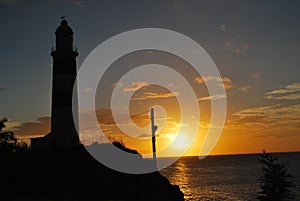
(226, 177)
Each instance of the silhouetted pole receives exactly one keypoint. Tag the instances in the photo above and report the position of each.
(153, 129)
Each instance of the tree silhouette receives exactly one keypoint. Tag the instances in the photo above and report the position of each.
(275, 183)
(8, 141)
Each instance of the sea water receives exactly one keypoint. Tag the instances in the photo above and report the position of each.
(227, 177)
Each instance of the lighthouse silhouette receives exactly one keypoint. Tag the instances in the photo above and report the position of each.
(63, 133)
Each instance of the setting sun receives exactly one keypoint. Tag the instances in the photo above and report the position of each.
(178, 141)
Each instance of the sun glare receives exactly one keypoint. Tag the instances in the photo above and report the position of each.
(179, 142)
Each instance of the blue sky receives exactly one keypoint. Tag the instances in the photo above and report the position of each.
(255, 44)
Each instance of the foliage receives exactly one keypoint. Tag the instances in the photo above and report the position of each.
(21, 147)
(275, 183)
(8, 140)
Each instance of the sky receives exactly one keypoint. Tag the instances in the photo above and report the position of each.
(254, 44)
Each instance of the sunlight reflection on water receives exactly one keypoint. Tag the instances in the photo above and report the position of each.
(221, 177)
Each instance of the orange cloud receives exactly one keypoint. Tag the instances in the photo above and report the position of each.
(273, 117)
(288, 92)
(236, 46)
(245, 88)
(152, 95)
(11, 125)
(118, 84)
(135, 86)
(213, 97)
(38, 128)
(225, 81)
(88, 90)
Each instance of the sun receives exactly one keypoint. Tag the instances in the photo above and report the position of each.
(178, 142)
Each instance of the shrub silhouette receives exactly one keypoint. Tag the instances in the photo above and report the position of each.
(275, 183)
(122, 146)
(8, 140)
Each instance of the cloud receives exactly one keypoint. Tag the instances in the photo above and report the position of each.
(152, 95)
(245, 88)
(117, 85)
(213, 97)
(135, 86)
(144, 136)
(201, 80)
(236, 46)
(288, 92)
(225, 81)
(3, 119)
(229, 43)
(241, 48)
(88, 128)
(10, 2)
(79, 4)
(10, 124)
(256, 74)
(285, 97)
(37, 128)
(223, 27)
(271, 117)
(171, 85)
(88, 90)
(150, 52)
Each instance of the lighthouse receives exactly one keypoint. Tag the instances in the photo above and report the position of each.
(63, 133)
(64, 75)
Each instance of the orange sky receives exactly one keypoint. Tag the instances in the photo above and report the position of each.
(274, 128)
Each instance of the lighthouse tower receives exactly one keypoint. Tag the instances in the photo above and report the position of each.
(63, 131)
